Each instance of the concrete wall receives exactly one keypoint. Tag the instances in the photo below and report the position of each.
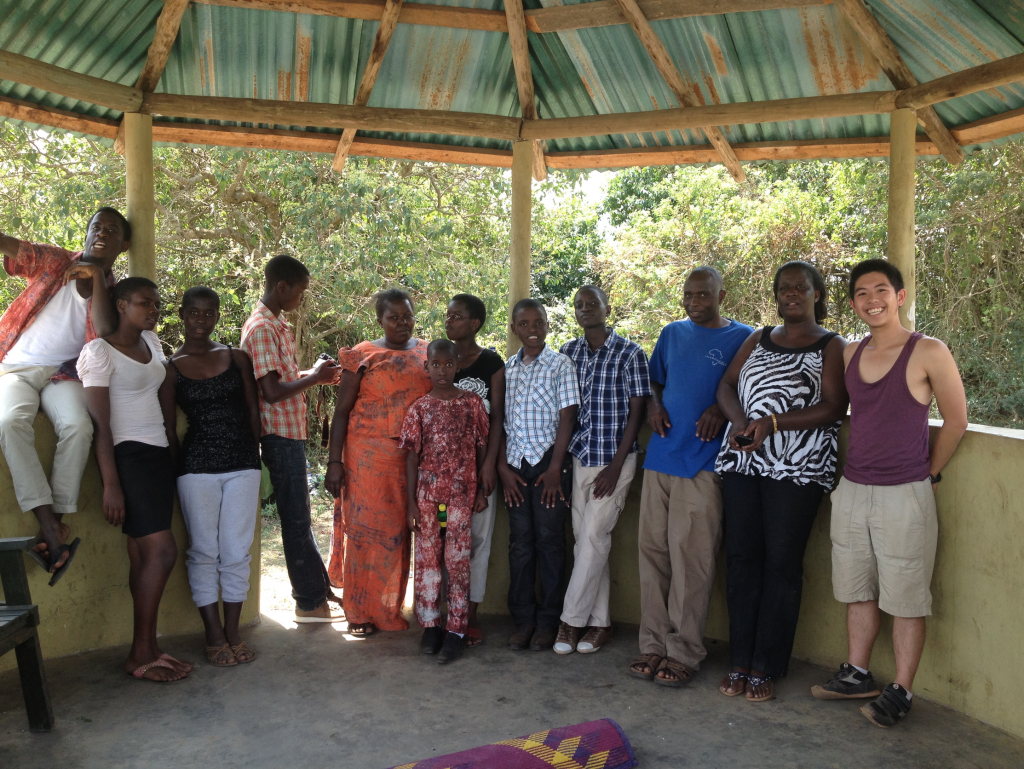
(91, 606)
(974, 656)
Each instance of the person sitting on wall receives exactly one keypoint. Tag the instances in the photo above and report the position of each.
(614, 384)
(122, 374)
(884, 525)
(65, 304)
(681, 502)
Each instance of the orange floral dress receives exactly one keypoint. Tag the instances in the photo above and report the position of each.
(370, 542)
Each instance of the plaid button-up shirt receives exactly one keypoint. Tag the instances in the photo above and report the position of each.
(534, 394)
(270, 343)
(609, 377)
(43, 266)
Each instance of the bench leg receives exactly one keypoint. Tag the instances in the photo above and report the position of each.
(33, 685)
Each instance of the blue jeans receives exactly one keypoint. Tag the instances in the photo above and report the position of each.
(536, 549)
(285, 459)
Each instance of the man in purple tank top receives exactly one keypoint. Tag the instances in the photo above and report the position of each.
(884, 525)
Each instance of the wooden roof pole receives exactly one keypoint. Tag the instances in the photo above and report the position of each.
(388, 22)
(880, 44)
(666, 66)
(524, 77)
(167, 25)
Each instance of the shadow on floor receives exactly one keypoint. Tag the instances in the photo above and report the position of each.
(317, 697)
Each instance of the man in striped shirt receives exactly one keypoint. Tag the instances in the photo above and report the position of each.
(269, 341)
(614, 383)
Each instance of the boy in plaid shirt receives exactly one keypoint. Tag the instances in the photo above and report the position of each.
(614, 384)
(269, 341)
(541, 399)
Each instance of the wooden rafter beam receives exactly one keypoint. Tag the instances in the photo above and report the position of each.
(963, 83)
(520, 45)
(388, 22)
(64, 82)
(167, 25)
(673, 77)
(990, 128)
(874, 36)
(602, 13)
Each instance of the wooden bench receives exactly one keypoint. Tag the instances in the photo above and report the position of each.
(19, 618)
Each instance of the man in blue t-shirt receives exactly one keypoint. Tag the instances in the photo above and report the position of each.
(681, 504)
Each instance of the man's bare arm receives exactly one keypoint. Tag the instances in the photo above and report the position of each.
(950, 399)
(9, 246)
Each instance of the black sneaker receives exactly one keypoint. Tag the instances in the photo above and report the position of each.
(847, 684)
(433, 637)
(889, 709)
(452, 649)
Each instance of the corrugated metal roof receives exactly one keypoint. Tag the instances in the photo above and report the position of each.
(752, 56)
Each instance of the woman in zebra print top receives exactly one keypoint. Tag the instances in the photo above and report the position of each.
(785, 398)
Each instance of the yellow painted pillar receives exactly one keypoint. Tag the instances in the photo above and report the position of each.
(519, 249)
(141, 204)
(902, 181)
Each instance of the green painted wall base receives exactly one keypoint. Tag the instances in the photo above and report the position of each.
(91, 606)
(974, 656)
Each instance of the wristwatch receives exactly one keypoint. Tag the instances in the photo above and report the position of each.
(935, 478)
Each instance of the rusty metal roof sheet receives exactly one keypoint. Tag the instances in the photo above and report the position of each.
(751, 56)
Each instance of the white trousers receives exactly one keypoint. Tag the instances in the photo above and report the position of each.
(589, 590)
(480, 555)
(220, 511)
(23, 391)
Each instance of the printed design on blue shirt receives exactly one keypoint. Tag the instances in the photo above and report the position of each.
(716, 357)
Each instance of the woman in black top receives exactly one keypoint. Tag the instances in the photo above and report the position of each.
(218, 469)
(481, 371)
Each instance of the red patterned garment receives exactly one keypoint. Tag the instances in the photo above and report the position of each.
(43, 266)
(457, 544)
(446, 435)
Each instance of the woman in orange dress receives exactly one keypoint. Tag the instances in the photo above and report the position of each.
(370, 545)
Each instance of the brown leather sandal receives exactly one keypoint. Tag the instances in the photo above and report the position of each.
(243, 648)
(215, 652)
(651, 661)
(682, 673)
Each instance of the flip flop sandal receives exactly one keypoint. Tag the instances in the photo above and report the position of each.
(754, 682)
(241, 648)
(172, 660)
(71, 550)
(733, 678)
(682, 672)
(140, 671)
(365, 629)
(474, 637)
(213, 652)
(650, 660)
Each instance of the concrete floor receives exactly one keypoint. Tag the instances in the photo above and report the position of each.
(317, 697)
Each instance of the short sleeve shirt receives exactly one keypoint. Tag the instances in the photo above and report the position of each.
(689, 360)
(446, 435)
(535, 393)
(609, 376)
(477, 378)
(269, 341)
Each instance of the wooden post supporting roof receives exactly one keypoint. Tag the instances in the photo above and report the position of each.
(902, 180)
(880, 44)
(667, 67)
(141, 204)
(388, 22)
(519, 247)
(520, 45)
(167, 25)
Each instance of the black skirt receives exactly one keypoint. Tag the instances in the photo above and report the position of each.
(147, 480)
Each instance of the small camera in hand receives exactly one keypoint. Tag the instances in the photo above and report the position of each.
(744, 440)
(325, 356)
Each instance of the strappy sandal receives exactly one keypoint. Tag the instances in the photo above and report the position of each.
(213, 652)
(682, 672)
(753, 682)
(733, 678)
(649, 660)
(243, 648)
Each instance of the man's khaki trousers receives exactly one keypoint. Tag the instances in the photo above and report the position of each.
(23, 390)
(680, 533)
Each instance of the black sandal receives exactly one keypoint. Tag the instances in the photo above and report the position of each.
(756, 681)
(733, 677)
(47, 565)
(363, 630)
